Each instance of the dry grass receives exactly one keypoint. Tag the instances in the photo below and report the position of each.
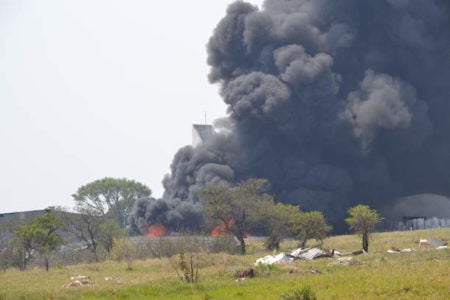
(422, 274)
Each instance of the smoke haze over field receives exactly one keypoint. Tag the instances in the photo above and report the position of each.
(334, 102)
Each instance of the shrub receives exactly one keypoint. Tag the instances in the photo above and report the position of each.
(301, 294)
(187, 270)
(124, 250)
(5, 255)
(223, 244)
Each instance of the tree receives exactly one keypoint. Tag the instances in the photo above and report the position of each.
(44, 236)
(38, 235)
(278, 223)
(310, 225)
(108, 232)
(16, 253)
(362, 220)
(97, 232)
(109, 197)
(84, 227)
(235, 209)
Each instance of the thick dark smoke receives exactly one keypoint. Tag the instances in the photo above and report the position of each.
(336, 102)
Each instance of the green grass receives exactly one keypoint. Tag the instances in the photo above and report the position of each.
(423, 274)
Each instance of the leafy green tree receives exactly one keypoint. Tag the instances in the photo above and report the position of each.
(38, 235)
(362, 220)
(5, 258)
(236, 209)
(310, 225)
(109, 197)
(45, 238)
(108, 232)
(278, 223)
(17, 253)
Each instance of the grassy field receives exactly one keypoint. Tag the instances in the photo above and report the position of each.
(423, 274)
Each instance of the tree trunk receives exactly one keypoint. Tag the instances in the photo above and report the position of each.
(241, 245)
(94, 249)
(46, 263)
(365, 241)
(303, 243)
(273, 242)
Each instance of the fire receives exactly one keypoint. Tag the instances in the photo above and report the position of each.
(221, 229)
(156, 230)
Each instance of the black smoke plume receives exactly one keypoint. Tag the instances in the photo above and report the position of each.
(336, 102)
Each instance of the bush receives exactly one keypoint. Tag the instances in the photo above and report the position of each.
(186, 268)
(124, 250)
(17, 256)
(225, 244)
(302, 294)
(5, 255)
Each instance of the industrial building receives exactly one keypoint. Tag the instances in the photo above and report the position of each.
(201, 133)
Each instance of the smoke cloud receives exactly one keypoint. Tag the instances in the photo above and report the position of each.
(335, 102)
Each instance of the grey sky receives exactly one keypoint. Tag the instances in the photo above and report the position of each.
(90, 89)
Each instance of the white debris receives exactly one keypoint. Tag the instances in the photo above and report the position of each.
(273, 259)
(396, 250)
(309, 253)
(107, 278)
(78, 277)
(345, 261)
(423, 242)
(408, 250)
(76, 283)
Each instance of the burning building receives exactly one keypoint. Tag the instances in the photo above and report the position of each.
(335, 102)
(201, 134)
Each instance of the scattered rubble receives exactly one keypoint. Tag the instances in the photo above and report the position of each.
(300, 253)
(313, 253)
(77, 283)
(303, 253)
(250, 273)
(431, 242)
(117, 279)
(312, 271)
(79, 280)
(345, 261)
(273, 259)
(398, 250)
(78, 277)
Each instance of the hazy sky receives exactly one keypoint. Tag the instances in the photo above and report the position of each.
(92, 89)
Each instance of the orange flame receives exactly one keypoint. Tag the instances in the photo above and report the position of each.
(156, 230)
(221, 230)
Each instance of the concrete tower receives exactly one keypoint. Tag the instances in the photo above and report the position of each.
(201, 133)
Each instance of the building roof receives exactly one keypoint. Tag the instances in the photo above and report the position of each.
(21, 215)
